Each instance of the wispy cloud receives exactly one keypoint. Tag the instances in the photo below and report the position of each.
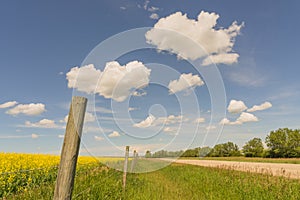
(8, 104)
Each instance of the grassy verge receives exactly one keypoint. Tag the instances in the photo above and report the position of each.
(174, 182)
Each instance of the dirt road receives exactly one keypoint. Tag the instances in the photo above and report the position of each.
(276, 169)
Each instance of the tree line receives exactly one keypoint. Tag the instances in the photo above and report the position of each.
(282, 143)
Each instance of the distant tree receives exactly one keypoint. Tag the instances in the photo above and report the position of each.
(225, 150)
(253, 148)
(160, 154)
(148, 154)
(204, 151)
(191, 152)
(283, 143)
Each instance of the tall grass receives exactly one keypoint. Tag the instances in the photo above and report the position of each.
(174, 182)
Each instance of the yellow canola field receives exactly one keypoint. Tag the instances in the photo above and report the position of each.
(20, 171)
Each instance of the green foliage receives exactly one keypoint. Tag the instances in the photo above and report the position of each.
(253, 148)
(283, 143)
(164, 154)
(225, 150)
(148, 154)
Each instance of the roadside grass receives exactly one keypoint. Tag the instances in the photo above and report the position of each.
(176, 181)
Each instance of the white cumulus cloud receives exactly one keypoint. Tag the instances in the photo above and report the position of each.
(236, 106)
(8, 104)
(193, 39)
(184, 82)
(114, 134)
(243, 118)
(145, 123)
(27, 109)
(262, 106)
(114, 82)
(44, 123)
(247, 117)
(84, 78)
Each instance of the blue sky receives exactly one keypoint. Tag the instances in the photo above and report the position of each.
(41, 42)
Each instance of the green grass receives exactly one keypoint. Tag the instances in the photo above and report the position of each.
(245, 159)
(173, 182)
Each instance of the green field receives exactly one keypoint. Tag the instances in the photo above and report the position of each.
(173, 182)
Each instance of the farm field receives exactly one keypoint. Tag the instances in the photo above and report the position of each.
(18, 172)
(176, 181)
(245, 159)
(275, 169)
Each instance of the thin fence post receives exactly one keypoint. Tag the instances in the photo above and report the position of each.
(70, 149)
(133, 161)
(125, 167)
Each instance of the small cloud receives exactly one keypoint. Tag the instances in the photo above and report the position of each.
(170, 130)
(247, 117)
(34, 136)
(185, 81)
(98, 138)
(44, 123)
(243, 118)
(200, 120)
(114, 134)
(153, 9)
(145, 123)
(154, 16)
(171, 119)
(88, 117)
(123, 8)
(263, 106)
(61, 136)
(102, 110)
(27, 109)
(139, 94)
(60, 73)
(146, 4)
(211, 127)
(8, 104)
(236, 106)
(224, 121)
(132, 109)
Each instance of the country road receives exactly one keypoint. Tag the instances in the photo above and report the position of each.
(276, 169)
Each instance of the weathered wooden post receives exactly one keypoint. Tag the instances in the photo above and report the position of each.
(133, 161)
(125, 167)
(69, 154)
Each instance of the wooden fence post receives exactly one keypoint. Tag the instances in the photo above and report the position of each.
(133, 161)
(69, 154)
(125, 167)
